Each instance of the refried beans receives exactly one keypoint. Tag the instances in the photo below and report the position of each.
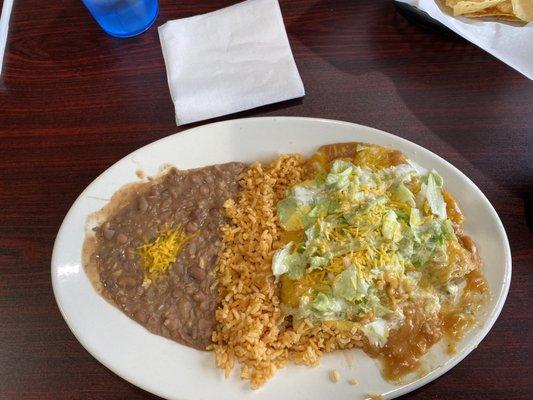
(180, 304)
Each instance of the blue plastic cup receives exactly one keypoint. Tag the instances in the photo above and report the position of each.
(123, 18)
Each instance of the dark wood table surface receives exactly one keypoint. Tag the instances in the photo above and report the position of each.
(73, 101)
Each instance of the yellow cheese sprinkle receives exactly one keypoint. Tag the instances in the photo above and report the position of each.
(156, 257)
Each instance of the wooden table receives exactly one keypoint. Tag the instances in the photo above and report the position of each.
(73, 101)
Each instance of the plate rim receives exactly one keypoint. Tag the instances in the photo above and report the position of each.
(404, 389)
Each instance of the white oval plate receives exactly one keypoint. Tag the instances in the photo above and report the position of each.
(174, 371)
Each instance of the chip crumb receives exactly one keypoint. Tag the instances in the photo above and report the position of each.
(352, 381)
(334, 376)
(375, 396)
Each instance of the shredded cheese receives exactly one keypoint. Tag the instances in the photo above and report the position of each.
(157, 256)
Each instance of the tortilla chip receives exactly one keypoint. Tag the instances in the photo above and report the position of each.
(506, 7)
(523, 9)
(472, 6)
(500, 17)
(508, 10)
(493, 12)
(451, 3)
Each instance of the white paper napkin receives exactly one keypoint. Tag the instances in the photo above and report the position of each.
(7, 6)
(510, 42)
(229, 60)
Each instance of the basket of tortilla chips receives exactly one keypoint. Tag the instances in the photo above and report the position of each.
(508, 10)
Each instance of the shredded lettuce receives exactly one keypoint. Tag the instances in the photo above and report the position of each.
(279, 266)
(340, 166)
(404, 195)
(390, 227)
(316, 262)
(303, 206)
(434, 195)
(289, 215)
(349, 285)
(447, 230)
(432, 304)
(415, 218)
(404, 172)
(326, 305)
(305, 195)
(319, 210)
(432, 242)
(338, 250)
(339, 175)
(375, 202)
(394, 266)
(377, 332)
(373, 302)
(296, 264)
(312, 233)
(420, 197)
(438, 179)
(285, 262)
(321, 308)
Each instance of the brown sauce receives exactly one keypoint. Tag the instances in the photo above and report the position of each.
(457, 320)
(414, 337)
(407, 344)
(180, 304)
